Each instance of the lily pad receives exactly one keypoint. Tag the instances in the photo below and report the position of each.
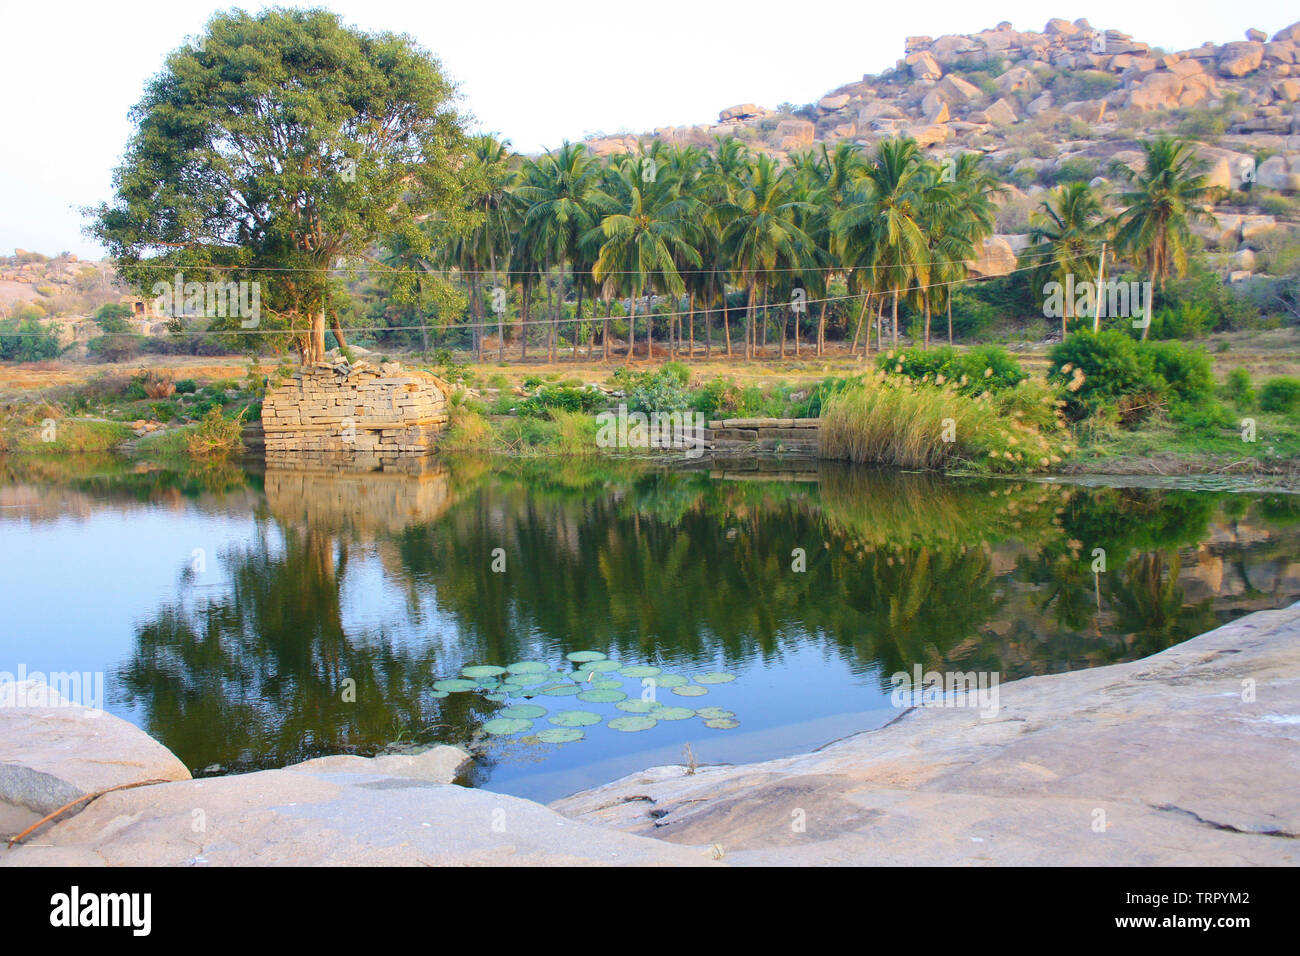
(522, 711)
(528, 667)
(722, 723)
(507, 725)
(455, 685)
(602, 696)
(664, 712)
(640, 670)
(714, 713)
(670, 680)
(530, 680)
(560, 735)
(691, 690)
(496, 698)
(715, 677)
(440, 694)
(561, 690)
(633, 723)
(574, 718)
(482, 670)
(583, 657)
(599, 667)
(636, 706)
(606, 685)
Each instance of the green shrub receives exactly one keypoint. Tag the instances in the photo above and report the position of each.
(986, 368)
(563, 397)
(1187, 370)
(187, 386)
(1237, 388)
(1280, 394)
(28, 340)
(1105, 369)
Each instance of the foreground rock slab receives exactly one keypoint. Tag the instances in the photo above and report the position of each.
(53, 751)
(1191, 756)
(335, 811)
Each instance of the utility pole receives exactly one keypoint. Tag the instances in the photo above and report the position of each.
(1101, 290)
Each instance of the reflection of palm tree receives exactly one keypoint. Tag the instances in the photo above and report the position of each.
(1149, 604)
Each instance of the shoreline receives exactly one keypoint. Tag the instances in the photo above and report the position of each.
(1165, 753)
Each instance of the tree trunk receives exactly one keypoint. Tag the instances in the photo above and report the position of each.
(337, 329)
(690, 356)
(749, 324)
(862, 314)
(631, 331)
(927, 321)
(316, 348)
(604, 337)
(523, 321)
(1151, 302)
(894, 335)
(796, 337)
(577, 323)
(950, 316)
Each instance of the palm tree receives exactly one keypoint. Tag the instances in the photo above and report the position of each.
(642, 238)
(559, 191)
(492, 174)
(1067, 230)
(1163, 199)
(762, 235)
(830, 179)
(881, 229)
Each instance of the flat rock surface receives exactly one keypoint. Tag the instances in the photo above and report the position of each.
(53, 751)
(1191, 756)
(334, 811)
(1187, 757)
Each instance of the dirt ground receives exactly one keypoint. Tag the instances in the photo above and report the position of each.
(1263, 353)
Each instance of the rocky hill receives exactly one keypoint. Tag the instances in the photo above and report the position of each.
(1060, 104)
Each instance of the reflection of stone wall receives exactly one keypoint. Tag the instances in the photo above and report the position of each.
(374, 416)
(367, 502)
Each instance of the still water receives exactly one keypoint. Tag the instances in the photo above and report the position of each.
(249, 618)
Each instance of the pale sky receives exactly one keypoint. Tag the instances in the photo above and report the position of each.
(534, 72)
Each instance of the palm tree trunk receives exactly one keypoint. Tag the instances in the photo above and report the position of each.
(523, 320)
(749, 324)
(649, 327)
(927, 321)
(631, 330)
(821, 329)
(880, 318)
(796, 337)
(604, 335)
(577, 322)
(894, 335)
(950, 316)
(1151, 302)
(690, 356)
(853, 350)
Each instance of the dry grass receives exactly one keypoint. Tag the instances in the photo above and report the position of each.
(892, 421)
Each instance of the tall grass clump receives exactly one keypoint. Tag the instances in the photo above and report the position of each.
(892, 420)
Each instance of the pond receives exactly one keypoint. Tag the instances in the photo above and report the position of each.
(251, 618)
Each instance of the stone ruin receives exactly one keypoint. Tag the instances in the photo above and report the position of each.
(354, 417)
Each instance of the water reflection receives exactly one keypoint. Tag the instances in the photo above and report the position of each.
(348, 595)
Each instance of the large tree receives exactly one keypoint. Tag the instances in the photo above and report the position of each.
(280, 144)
